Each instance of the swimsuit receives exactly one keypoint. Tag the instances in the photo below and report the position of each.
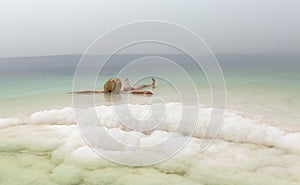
(128, 88)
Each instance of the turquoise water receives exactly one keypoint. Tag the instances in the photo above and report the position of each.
(263, 90)
(25, 94)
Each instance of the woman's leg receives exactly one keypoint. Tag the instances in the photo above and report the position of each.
(141, 86)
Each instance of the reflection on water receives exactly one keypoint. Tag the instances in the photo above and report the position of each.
(112, 97)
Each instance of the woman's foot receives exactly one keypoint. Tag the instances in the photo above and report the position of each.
(153, 82)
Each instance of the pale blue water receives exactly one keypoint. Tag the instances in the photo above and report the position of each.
(267, 88)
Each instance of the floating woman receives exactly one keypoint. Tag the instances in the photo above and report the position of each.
(114, 85)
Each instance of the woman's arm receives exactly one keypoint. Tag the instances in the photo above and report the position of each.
(86, 92)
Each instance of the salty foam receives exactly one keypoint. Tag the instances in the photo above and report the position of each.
(46, 146)
(235, 128)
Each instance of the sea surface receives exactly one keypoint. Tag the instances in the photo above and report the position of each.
(257, 144)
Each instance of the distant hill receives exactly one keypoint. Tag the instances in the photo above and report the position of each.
(66, 64)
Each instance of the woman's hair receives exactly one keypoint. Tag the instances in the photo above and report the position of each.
(113, 85)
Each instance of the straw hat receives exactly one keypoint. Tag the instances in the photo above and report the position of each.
(113, 85)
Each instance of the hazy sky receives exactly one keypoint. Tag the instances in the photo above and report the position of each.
(50, 27)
